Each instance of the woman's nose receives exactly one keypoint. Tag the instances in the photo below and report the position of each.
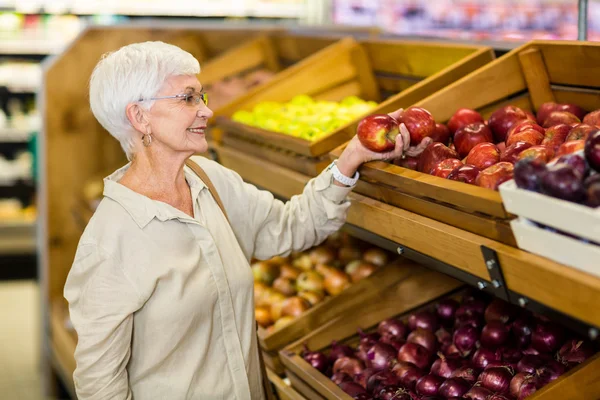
(204, 111)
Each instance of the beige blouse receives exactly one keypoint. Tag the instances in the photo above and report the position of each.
(163, 303)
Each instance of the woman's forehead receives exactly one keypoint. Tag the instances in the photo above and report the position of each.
(181, 83)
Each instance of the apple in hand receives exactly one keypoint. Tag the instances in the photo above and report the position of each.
(462, 117)
(407, 162)
(556, 135)
(378, 132)
(592, 118)
(560, 117)
(471, 135)
(483, 155)
(494, 176)
(531, 136)
(511, 154)
(592, 150)
(503, 119)
(580, 132)
(540, 152)
(441, 134)
(570, 147)
(529, 173)
(465, 173)
(445, 167)
(433, 154)
(419, 123)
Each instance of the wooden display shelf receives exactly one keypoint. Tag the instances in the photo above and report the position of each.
(551, 284)
(581, 382)
(283, 390)
(371, 69)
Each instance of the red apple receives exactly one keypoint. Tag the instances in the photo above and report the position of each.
(540, 152)
(465, 173)
(378, 132)
(555, 136)
(511, 154)
(560, 117)
(592, 150)
(433, 154)
(570, 147)
(530, 136)
(483, 155)
(443, 168)
(462, 117)
(419, 123)
(495, 175)
(523, 126)
(592, 118)
(441, 134)
(505, 118)
(470, 135)
(580, 132)
(501, 146)
(572, 108)
(545, 110)
(407, 162)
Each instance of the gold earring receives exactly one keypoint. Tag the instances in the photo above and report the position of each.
(147, 139)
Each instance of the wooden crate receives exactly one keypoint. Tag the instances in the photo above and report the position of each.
(349, 299)
(283, 390)
(401, 72)
(582, 382)
(526, 77)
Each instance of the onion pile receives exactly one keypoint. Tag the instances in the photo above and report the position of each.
(475, 350)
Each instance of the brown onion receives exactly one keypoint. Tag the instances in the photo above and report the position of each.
(496, 379)
(376, 257)
(425, 338)
(336, 282)
(322, 255)
(294, 307)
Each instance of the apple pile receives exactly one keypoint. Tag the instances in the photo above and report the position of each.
(285, 287)
(471, 150)
(305, 117)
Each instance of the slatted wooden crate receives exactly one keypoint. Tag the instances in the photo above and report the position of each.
(527, 77)
(401, 72)
(582, 382)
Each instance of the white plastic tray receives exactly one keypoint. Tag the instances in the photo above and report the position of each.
(560, 248)
(563, 215)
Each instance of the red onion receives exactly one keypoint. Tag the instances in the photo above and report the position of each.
(408, 374)
(395, 343)
(352, 389)
(425, 338)
(547, 337)
(511, 355)
(451, 351)
(530, 351)
(574, 352)
(316, 359)
(500, 310)
(443, 336)
(380, 380)
(496, 379)
(494, 335)
(467, 373)
(465, 338)
(446, 310)
(393, 393)
(473, 320)
(471, 307)
(381, 356)
(516, 382)
(522, 328)
(366, 342)
(416, 354)
(424, 320)
(478, 393)
(431, 398)
(530, 364)
(364, 396)
(363, 377)
(498, 396)
(454, 387)
(429, 385)
(445, 367)
(339, 351)
(351, 366)
(501, 364)
(392, 328)
(482, 357)
(341, 377)
(522, 385)
(473, 294)
(550, 372)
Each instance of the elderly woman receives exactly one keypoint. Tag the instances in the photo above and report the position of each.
(160, 291)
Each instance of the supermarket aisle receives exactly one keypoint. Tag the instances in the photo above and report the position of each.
(19, 341)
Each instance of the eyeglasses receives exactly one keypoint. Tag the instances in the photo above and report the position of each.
(191, 99)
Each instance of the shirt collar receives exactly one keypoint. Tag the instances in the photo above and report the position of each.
(141, 208)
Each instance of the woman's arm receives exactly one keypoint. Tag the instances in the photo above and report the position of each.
(102, 301)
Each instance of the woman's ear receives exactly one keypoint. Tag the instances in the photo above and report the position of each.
(137, 117)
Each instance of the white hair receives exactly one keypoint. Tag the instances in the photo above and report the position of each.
(134, 72)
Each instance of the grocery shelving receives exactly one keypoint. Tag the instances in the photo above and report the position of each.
(17, 237)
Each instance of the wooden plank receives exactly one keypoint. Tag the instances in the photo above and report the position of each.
(571, 63)
(350, 88)
(284, 391)
(523, 101)
(272, 361)
(302, 387)
(588, 101)
(364, 72)
(582, 382)
(536, 76)
(293, 48)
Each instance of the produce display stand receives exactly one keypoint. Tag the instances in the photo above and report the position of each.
(582, 382)
(528, 76)
(402, 72)
(528, 280)
(282, 389)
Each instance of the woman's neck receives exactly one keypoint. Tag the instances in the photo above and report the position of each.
(157, 172)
